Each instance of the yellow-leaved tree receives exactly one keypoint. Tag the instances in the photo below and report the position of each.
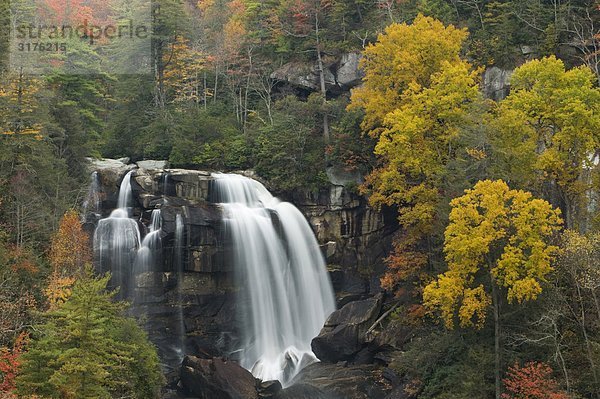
(69, 254)
(498, 243)
(548, 133)
(420, 101)
(402, 55)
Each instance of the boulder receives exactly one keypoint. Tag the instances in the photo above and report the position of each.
(344, 333)
(268, 389)
(348, 72)
(110, 171)
(217, 379)
(303, 391)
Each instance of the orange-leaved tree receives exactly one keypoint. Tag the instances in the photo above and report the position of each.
(9, 365)
(69, 253)
(532, 381)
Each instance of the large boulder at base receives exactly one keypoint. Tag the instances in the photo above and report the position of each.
(217, 379)
(344, 333)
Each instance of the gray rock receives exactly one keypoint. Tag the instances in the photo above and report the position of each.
(304, 76)
(152, 165)
(217, 379)
(348, 73)
(338, 176)
(303, 391)
(344, 333)
(496, 83)
(343, 381)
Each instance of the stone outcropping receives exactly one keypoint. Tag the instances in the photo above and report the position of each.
(341, 74)
(496, 83)
(354, 237)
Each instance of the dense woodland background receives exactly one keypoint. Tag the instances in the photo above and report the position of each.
(513, 275)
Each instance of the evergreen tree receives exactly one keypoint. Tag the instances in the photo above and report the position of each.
(86, 348)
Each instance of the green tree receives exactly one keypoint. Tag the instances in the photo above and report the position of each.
(86, 348)
(497, 239)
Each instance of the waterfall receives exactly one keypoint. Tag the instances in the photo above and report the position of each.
(178, 258)
(117, 239)
(151, 246)
(125, 192)
(285, 282)
(91, 204)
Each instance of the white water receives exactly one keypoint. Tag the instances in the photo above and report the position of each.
(179, 230)
(151, 245)
(91, 204)
(117, 239)
(285, 281)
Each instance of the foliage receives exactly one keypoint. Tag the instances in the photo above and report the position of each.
(20, 294)
(10, 364)
(419, 105)
(289, 152)
(403, 55)
(547, 130)
(86, 348)
(532, 381)
(70, 247)
(494, 231)
(449, 365)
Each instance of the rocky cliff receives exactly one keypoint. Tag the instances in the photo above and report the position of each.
(354, 239)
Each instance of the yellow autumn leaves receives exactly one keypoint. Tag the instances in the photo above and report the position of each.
(495, 236)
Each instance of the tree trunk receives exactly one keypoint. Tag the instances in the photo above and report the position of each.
(496, 304)
(588, 346)
(322, 81)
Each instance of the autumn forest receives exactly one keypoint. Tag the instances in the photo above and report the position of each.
(444, 154)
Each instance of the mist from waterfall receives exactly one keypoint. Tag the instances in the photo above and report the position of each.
(283, 275)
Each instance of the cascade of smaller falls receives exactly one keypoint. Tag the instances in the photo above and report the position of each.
(91, 204)
(286, 287)
(151, 246)
(117, 239)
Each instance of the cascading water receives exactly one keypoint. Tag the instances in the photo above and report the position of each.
(178, 258)
(91, 204)
(286, 285)
(151, 245)
(117, 239)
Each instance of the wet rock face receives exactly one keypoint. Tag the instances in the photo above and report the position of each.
(354, 238)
